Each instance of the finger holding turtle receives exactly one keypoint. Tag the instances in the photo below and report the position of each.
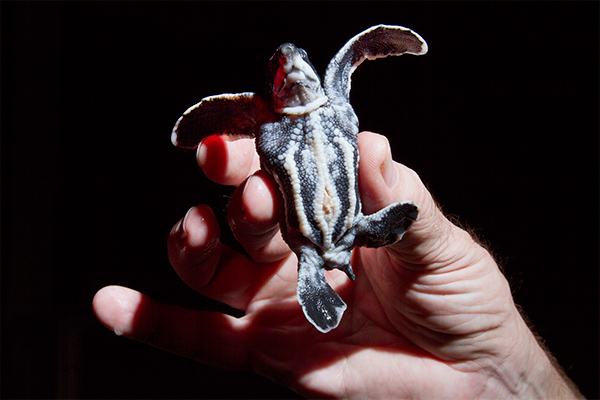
(225, 161)
(253, 213)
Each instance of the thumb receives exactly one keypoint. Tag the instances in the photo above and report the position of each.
(383, 182)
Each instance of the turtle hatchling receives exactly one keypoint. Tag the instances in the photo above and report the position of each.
(306, 137)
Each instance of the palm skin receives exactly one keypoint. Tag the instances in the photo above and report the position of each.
(428, 317)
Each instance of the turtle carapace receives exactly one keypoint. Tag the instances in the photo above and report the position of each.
(306, 137)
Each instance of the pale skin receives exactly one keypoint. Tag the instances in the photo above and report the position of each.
(431, 316)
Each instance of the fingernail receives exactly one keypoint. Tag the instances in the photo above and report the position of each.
(183, 230)
(201, 155)
(246, 184)
(180, 226)
(389, 171)
(256, 186)
(241, 211)
(253, 186)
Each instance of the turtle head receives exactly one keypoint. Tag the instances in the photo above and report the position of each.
(293, 83)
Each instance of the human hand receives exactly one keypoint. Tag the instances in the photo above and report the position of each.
(430, 316)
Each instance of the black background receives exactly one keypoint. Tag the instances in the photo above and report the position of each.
(500, 119)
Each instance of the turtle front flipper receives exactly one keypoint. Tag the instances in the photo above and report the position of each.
(386, 226)
(376, 42)
(240, 114)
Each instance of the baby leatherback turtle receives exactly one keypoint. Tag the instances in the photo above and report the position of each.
(306, 137)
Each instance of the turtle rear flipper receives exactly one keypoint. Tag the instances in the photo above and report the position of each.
(240, 114)
(322, 306)
(376, 42)
(386, 226)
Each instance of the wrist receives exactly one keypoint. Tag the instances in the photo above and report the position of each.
(529, 371)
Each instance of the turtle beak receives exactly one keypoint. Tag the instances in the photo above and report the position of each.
(294, 84)
(293, 69)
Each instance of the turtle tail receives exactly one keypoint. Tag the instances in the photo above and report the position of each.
(322, 306)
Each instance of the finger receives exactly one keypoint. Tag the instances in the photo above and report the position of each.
(383, 182)
(193, 246)
(227, 162)
(212, 268)
(209, 337)
(253, 214)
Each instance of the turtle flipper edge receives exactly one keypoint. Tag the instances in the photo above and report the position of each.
(239, 114)
(386, 226)
(376, 42)
(322, 306)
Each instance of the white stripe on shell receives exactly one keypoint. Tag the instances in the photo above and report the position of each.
(326, 202)
(292, 170)
(348, 152)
